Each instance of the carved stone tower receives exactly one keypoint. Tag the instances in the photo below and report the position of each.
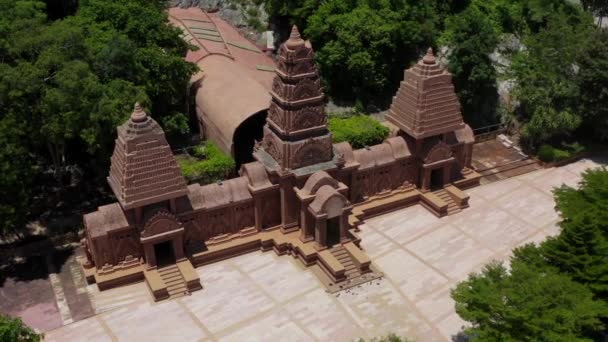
(296, 133)
(144, 170)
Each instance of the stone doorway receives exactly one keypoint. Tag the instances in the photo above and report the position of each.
(437, 179)
(245, 136)
(333, 231)
(164, 253)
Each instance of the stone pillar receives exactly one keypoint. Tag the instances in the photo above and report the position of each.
(320, 233)
(343, 226)
(289, 207)
(304, 233)
(150, 257)
(258, 212)
(447, 170)
(426, 179)
(178, 247)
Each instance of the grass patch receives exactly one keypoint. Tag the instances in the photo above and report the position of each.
(359, 130)
(206, 164)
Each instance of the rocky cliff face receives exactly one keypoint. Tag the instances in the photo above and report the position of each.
(250, 18)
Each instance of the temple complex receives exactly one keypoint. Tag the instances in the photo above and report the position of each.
(302, 196)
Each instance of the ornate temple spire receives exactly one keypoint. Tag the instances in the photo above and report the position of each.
(143, 169)
(138, 114)
(429, 58)
(295, 39)
(426, 104)
(296, 133)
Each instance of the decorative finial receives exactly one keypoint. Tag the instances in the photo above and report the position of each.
(138, 114)
(429, 58)
(295, 39)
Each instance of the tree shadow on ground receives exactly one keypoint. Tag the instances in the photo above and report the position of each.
(460, 337)
(34, 266)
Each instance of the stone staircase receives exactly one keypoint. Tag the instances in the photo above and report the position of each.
(453, 208)
(351, 270)
(176, 285)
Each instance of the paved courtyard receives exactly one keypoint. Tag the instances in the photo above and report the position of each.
(264, 297)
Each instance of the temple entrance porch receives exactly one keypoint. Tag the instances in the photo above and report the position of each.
(164, 253)
(437, 180)
(436, 175)
(333, 231)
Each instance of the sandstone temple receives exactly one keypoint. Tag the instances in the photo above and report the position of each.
(302, 195)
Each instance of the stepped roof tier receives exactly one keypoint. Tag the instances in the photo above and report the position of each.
(296, 133)
(143, 169)
(426, 103)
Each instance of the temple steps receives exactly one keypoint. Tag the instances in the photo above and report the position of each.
(176, 285)
(350, 269)
(453, 208)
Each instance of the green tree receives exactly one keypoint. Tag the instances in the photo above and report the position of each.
(598, 8)
(17, 170)
(557, 291)
(471, 38)
(66, 84)
(363, 46)
(593, 82)
(526, 304)
(289, 12)
(13, 329)
(544, 74)
(581, 249)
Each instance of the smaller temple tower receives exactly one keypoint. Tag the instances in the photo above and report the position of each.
(427, 112)
(143, 169)
(296, 133)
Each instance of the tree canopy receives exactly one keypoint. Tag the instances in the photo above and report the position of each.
(363, 46)
(557, 291)
(471, 38)
(13, 329)
(66, 84)
(524, 304)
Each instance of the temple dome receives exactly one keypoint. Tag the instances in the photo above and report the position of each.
(143, 169)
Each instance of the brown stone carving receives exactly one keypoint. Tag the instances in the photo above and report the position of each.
(143, 169)
(438, 152)
(159, 223)
(299, 124)
(309, 190)
(309, 117)
(426, 104)
(312, 152)
(271, 148)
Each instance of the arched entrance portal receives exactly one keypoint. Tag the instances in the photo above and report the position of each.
(162, 240)
(245, 136)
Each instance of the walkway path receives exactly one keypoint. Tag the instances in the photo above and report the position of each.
(264, 297)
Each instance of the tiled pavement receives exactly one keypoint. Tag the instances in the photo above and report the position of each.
(46, 290)
(264, 297)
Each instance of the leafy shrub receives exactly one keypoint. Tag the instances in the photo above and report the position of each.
(208, 165)
(358, 130)
(546, 153)
(13, 329)
(560, 154)
(574, 148)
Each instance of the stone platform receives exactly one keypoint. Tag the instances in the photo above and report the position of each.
(261, 296)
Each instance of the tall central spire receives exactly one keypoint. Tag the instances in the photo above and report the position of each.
(296, 133)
